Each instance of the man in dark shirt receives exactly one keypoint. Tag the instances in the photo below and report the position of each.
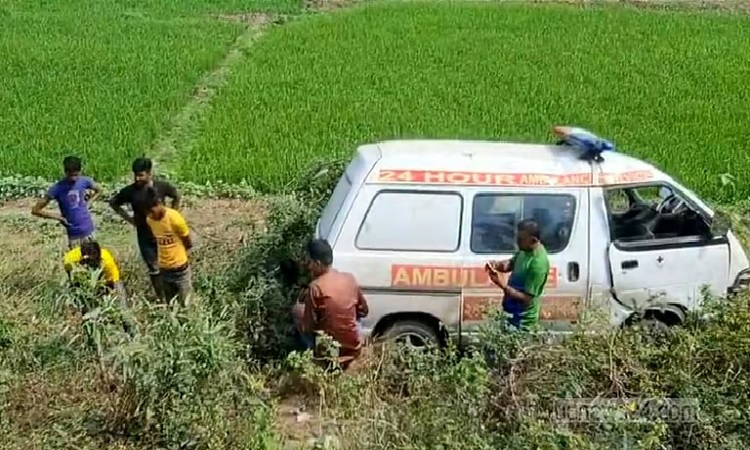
(136, 194)
(334, 302)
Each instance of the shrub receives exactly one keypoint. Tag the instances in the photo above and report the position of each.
(173, 378)
(253, 283)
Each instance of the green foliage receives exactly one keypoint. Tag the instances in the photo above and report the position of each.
(480, 70)
(18, 187)
(177, 381)
(527, 396)
(253, 283)
(85, 89)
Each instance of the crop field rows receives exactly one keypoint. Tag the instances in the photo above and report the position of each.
(113, 80)
(247, 93)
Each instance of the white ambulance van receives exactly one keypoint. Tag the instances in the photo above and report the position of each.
(416, 220)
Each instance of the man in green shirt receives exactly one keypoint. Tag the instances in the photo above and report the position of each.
(529, 269)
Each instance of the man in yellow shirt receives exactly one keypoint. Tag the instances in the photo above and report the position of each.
(90, 256)
(173, 242)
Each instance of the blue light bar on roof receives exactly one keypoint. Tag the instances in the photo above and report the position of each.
(591, 145)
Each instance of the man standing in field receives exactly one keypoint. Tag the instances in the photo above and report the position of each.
(334, 302)
(529, 269)
(70, 194)
(136, 194)
(173, 242)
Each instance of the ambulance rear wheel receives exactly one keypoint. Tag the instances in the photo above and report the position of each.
(413, 334)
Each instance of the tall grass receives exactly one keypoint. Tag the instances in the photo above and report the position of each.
(97, 79)
(216, 375)
(668, 87)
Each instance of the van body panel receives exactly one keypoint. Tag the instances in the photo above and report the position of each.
(566, 292)
(345, 193)
(422, 272)
(397, 281)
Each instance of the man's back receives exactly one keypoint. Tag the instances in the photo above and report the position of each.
(335, 304)
(169, 231)
(110, 271)
(71, 198)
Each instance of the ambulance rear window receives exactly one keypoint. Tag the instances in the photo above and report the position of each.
(331, 211)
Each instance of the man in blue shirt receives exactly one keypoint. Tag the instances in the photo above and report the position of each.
(70, 194)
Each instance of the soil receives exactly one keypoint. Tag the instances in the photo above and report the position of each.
(38, 244)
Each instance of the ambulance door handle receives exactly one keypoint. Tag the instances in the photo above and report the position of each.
(574, 271)
(630, 264)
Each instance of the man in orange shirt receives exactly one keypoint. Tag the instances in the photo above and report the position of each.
(334, 301)
(173, 242)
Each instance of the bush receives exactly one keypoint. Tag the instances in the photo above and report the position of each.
(210, 376)
(253, 283)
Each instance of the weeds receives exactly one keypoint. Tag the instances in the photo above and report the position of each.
(215, 375)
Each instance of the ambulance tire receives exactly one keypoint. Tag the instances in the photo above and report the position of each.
(654, 328)
(415, 333)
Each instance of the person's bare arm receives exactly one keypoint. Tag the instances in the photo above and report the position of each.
(176, 201)
(312, 314)
(38, 211)
(97, 190)
(122, 213)
(175, 195)
(187, 241)
(180, 228)
(117, 202)
(362, 309)
(503, 266)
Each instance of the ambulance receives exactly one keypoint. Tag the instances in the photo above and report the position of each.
(416, 220)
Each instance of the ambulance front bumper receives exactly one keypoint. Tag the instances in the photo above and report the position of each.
(741, 283)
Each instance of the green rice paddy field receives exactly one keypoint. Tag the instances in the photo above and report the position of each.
(106, 78)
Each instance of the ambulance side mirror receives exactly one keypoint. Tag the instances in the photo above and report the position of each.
(720, 224)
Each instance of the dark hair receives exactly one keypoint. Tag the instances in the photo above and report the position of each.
(320, 250)
(91, 254)
(152, 197)
(72, 164)
(142, 164)
(290, 272)
(529, 226)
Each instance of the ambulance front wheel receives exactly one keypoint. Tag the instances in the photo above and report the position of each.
(412, 333)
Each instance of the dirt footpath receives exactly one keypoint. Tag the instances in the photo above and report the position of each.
(34, 246)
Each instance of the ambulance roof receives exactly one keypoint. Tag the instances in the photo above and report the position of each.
(494, 157)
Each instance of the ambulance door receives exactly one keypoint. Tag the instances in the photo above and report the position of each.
(662, 250)
(403, 243)
(490, 223)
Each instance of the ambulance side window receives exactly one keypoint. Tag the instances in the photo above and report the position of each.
(495, 217)
(403, 220)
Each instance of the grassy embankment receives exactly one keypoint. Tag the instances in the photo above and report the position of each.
(218, 377)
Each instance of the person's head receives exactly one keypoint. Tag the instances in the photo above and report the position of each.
(319, 256)
(142, 171)
(155, 205)
(91, 255)
(72, 167)
(527, 236)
